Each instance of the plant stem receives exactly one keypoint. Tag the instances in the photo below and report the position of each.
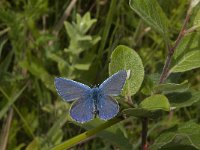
(65, 15)
(75, 140)
(4, 31)
(60, 23)
(165, 73)
(144, 133)
(6, 130)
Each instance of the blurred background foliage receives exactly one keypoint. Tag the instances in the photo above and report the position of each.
(42, 39)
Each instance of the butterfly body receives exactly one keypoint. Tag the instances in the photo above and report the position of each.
(92, 102)
(95, 95)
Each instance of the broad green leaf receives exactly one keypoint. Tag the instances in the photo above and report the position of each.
(155, 102)
(126, 58)
(151, 12)
(184, 99)
(187, 54)
(172, 87)
(187, 44)
(140, 112)
(197, 18)
(189, 61)
(185, 135)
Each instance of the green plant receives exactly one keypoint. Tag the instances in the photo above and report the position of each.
(159, 105)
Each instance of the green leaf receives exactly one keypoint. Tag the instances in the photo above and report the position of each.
(140, 112)
(187, 54)
(187, 134)
(126, 58)
(197, 18)
(189, 61)
(196, 14)
(155, 102)
(184, 99)
(35, 67)
(172, 87)
(112, 134)
(102, 129)
(187, 44)
(84, 23)
(79, 40)
(70, 30)
(151, 12)
(150, 81)
(34, 144)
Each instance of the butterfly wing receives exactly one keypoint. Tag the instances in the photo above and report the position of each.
(69, 89)
(107, 107)
(114, 84)
(82, 109)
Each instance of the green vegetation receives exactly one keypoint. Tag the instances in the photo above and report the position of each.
(156, 41)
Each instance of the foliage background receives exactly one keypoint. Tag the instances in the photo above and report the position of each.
(36, 45)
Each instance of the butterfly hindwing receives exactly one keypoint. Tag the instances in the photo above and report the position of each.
(107, 107)
(82, 109)
(114, 84)
(69, 89)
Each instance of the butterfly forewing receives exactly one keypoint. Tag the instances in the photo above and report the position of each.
(82, 109)
(70, 90)
(114, 84)
(107, 107)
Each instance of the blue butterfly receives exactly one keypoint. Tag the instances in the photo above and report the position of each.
(92, 102)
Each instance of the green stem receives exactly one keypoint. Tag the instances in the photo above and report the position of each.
(75, 140)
